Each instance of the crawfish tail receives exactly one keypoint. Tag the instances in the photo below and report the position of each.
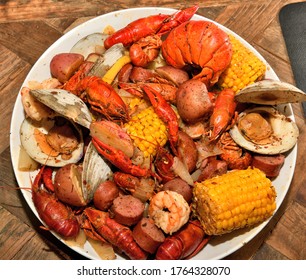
(126, 181)
(115, 233)
(47, 178)
(182, 244)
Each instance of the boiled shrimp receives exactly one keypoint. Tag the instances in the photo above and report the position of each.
(169, 210)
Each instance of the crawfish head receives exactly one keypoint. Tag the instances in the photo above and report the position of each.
(104, 99)
(115, 233)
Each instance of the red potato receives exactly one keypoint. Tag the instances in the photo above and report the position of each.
(193, 102)
(187, 151)
(63, 65)
(175, 75)
(180, 186)
(105, 195)
(112, 134)
(68, 185)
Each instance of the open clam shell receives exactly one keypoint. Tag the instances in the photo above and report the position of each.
(29, 142)
(66, 104)
(283, 137)
(92, 43)
(95, 171)
(270, 92)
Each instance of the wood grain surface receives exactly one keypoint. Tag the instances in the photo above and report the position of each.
(28, 28)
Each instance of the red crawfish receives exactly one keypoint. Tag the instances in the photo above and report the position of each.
(165, 112)
(223, 113)
(115, 233)
(102, 97)
(151, 25)
(185, 243)
(120, 160)
(56, 215)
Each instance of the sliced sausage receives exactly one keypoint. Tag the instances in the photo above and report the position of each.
(180, 186)
(212, 167)
(105, 194)
(270, 165)
(127, 210)
(187, 150)
(147, 235)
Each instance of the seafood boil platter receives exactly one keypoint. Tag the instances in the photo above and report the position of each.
(95, 161)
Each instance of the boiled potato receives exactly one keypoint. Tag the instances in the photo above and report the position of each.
(63, 65)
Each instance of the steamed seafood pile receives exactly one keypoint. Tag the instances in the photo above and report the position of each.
(149, 140)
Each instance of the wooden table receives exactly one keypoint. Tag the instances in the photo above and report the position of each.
(28, 28)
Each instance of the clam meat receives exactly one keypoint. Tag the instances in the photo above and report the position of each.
(265, 130)
(54, 142)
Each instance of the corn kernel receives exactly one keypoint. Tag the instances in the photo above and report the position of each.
(245, 68)
(234, 200)
(147, 131)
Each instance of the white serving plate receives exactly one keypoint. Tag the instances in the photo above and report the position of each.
(218, 247)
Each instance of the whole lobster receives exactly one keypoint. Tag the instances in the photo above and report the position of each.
(55, 214)
(185, 243)
(118, 235)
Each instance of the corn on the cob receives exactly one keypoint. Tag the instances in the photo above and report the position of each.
(147, 131)
(245, 68)
(237, 199)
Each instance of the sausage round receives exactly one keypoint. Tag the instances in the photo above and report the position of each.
(180, 186)
(105, 194)
(187, 150)
(127, 209)
(212, 167)
(147, 235)
(270, 165)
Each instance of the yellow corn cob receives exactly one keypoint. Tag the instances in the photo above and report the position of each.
(237, 199)
(245, 68)
(147, 131)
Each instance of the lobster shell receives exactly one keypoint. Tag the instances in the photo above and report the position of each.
(201, 44)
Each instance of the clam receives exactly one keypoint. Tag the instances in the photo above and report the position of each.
(75, 184)
(95, 171)
(264, 129)
(270, 92)
(65, 103)
(54, 142)
(92, 43)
